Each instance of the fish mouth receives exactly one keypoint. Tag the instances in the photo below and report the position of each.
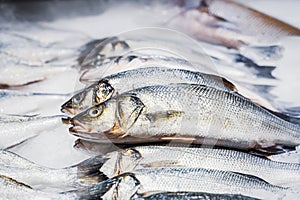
(90, 136)
(79, 127)
(69, 110)
(66, 120)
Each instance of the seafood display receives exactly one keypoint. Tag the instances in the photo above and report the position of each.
(183, 110)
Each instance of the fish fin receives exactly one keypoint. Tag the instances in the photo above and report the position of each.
(252, 177)
(153, 117)
(229, 85)
(292, 119)
(15, 182)
(164, 163)
(261, 71)
(88, 171)
(270, 149)
(128, 111)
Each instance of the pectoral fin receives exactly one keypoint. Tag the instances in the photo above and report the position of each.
(163, 115)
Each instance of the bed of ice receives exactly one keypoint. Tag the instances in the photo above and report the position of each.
(54, 148)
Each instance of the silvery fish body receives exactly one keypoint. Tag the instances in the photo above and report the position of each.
(16, 129)
(193, 196)
(121, 82)
(12, 189)
(273, 172)
(177, 179)
(207, 180)
(188, 113)
(16, 167)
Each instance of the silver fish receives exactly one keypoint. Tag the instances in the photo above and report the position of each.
(176, 179)
(82, 174)
(193, 196)
(185, 113)
(13, 189)
(16, 128)
(121, 82)
(127, 160)
(232, 24)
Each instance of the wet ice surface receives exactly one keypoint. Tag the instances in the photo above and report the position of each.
(54, 148)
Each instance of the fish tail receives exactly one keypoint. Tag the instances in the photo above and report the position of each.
(88, 171)
(261, 71)
(93, 192)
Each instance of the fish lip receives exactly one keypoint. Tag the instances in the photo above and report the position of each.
(69, 110)
(66, 120)
(89, 136)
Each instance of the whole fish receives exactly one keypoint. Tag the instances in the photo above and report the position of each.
(17, 128)
(13, 189)
(121, 82)
(193, 196)
(82, 174)
(185, 113)
(127, 160)
(228, 64)
(232, 24)
(176, 179)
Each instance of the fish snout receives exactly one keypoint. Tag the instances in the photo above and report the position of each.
(78, 126)
(68, 108)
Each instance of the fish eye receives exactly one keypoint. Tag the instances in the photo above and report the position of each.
(95, 112)
(79, 98)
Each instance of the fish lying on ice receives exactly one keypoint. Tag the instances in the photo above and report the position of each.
(127, 160)
(13, 189)
(16, 129)
(121, 82)
(83, 174)
(232, 24)
(193, 196)
(187, 113)
(176, 179)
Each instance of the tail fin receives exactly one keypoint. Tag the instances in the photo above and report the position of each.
(88, 171)
(261, 71)
(110, 186)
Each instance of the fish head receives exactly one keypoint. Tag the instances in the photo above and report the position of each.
(128, 160)
(96, 119)
(80, 101)
(126, 186)
(102, 92)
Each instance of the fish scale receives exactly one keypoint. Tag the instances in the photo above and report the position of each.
(220, 159)
(245, 120)
(175, 179)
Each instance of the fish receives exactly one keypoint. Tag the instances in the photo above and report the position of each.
(193, 196)
(83, 174)
(176, 179)
(186, 113)
(231, 24)
(151, 156)
(115, 84)
(14, 189)
(16, 129)
(236, 66)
